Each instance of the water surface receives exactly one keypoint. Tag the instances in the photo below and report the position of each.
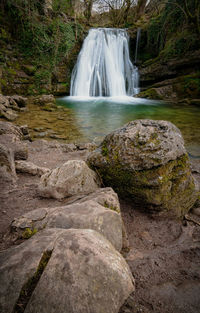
(98, 116)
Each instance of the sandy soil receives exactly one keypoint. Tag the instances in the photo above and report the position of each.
(164, 253)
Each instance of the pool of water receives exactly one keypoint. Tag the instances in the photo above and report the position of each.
(96, 117)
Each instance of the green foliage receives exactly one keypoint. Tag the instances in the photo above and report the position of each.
(62, 6)
(174, 31)
(192, 86)
(43, 40)
(155, 36)
(180, 44)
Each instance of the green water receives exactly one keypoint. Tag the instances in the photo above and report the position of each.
(96, 117)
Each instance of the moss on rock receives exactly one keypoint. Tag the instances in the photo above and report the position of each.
(28, 233)
(157, 179)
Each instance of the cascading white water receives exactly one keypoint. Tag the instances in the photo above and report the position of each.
(103, 67)
(137, 43)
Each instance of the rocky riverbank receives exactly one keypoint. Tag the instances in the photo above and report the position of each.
(162, 252)
(45, 119)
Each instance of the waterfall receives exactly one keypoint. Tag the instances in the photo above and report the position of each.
(104, 67)
(137, 43)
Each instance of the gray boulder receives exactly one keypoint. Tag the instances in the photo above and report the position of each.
(9, 114)
(73, 177)
(18, 147)
(30, 168)
(21, 101)
(5, 110)
(72, 271)
(147, 161)
(11, 136)
(10, 104)
(44, 99)
(7, 165)
(7, 128)
(85, 215)
(19, 264)
(105, 197)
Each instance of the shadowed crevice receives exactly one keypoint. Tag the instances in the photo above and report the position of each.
(30, 285)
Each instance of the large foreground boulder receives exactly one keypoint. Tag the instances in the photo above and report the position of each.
(99, 211)
(147, 161)
(64, 271)
(73, 177)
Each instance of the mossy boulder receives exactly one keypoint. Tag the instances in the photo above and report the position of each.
(147, 161)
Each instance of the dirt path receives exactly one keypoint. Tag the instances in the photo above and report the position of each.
(165, 261)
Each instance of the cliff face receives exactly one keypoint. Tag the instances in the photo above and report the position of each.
(21, 76)
(38, 52)
(175, 79)
(168, 52)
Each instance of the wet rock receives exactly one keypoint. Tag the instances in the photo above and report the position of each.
(38, 129)
(25, 131)
(86, 215)
(159, 93)
(7, 165)
(54, 136)
(69, 147)
(21, 101)
(82, 259)
(73, 177)
(30, 168)
(44, 100)
(147, 161)
(49, 107)
(195, 102)
(8, 114)
(43, 134)
(9, 105)
(13, 104)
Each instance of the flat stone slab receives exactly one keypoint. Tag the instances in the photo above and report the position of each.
(85, 215)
